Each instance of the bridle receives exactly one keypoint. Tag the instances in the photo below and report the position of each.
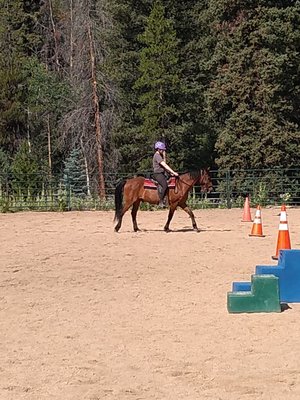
(178, 178)
(190, 184)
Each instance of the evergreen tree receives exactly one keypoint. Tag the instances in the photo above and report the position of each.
(26, 172)
(192, 20)
(192, 140)
(255, 94)
(4, 165)
(49, 98)
(159, 81)
(74, 175)
(192, 73)
(129, 22)
(18, 42)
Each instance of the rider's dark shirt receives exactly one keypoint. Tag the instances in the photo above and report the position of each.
(157, 159)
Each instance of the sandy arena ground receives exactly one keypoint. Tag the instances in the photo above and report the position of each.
(89, 314)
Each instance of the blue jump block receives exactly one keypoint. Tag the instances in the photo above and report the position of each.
(288, 272)
(241, 286)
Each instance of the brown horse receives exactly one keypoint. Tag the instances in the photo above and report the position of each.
(132, 191)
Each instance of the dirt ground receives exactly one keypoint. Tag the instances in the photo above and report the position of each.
(90, 314)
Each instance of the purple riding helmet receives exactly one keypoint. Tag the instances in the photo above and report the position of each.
(160, 146)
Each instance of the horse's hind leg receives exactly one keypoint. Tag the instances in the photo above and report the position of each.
(118, 226)
(191, 214)
(134, 211)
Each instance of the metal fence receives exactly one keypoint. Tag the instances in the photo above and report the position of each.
(39, 193)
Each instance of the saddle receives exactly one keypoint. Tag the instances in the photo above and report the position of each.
(150, 183)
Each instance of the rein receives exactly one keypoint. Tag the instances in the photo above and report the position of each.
(181, 180)
(189, 184)
(186, 183)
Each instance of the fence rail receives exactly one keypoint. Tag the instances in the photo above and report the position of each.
(39, 193)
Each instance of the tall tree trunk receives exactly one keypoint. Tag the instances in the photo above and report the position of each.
(86, 167)
(71, 38)
(54, 34)
(28, 131)
(49, 146)
(97, 118)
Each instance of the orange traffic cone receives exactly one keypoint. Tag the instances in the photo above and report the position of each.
(246, 213)
(257, 224)
(283, 240)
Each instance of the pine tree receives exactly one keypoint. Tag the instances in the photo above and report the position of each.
(129, 20)
(192, 20)
(74, 173)
(159, 81)
(18, 42)
(25, 171)
(191, 135)
(255, 94)
(49, 98)
(4, 165)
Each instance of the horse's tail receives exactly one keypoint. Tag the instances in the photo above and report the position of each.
(119, 199)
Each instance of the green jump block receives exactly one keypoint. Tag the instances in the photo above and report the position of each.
(264, 296)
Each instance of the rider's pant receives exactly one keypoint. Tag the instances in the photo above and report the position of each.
(162, 180)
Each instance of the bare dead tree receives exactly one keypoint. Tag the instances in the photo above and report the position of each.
(88, 124)
(55, 34)
(76, 126)
(49, 146)
(71, 38)
(97, 116)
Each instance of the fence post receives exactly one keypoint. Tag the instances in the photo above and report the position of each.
(228, 189)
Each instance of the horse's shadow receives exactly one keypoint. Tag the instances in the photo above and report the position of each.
(184, 230)
(284, 307)
(188, 229)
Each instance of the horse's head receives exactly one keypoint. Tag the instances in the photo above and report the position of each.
(205, 181)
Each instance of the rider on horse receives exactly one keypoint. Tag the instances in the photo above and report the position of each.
(159, 168)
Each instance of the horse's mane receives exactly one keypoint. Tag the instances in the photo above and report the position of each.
(193, 174)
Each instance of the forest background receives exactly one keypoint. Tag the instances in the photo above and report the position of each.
(87, 87)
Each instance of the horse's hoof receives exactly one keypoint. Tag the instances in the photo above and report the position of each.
(167, 230)
(137, 230)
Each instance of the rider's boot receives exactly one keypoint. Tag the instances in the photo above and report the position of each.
(161, 204)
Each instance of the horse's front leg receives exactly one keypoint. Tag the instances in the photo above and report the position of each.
(170, 216)
(134, 211)
(191, 214)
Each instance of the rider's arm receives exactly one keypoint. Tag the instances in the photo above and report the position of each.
(167, 168)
